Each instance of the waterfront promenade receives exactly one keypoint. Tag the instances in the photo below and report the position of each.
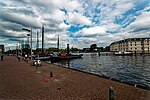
(20, 80)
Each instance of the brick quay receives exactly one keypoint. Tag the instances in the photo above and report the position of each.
(20, 80)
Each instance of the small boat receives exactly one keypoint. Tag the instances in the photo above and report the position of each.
(123, 53)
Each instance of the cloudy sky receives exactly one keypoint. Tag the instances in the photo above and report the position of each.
(78, 22)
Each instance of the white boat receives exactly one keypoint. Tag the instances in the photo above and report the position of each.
(123, 53)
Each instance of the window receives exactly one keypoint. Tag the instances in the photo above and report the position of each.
(135, 48)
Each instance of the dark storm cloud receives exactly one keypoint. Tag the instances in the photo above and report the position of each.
(2, 4)
(19, 19)
(11, 34)
(15, 39)
(11, 26)
(27, 12)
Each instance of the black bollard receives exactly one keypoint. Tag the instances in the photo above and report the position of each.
(111, 93)
(67, 49)
(51, 72)
(2, 57)
(99, 54)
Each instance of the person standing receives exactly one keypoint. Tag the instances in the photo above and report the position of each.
(2, 57)
(26, 56)
(18, 57)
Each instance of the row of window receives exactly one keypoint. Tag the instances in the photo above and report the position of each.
(132, 44)
(140, 40)
(135, 48)
(135, 42)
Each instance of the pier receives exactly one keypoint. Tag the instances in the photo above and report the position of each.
(20, 80)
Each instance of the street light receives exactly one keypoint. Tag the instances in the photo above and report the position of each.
(28, 35)
(29, 30)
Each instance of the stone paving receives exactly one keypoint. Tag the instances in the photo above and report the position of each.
(19, 80)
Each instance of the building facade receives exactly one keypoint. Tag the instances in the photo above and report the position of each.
(134, 45)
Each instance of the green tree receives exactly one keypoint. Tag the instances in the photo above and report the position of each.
(93, 47)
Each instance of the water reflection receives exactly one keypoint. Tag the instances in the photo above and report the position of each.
(131, 69)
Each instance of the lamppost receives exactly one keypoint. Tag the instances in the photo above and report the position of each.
(21, 47)
(29, 30)
(28, 38)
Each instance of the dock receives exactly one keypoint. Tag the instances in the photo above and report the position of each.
(19, 80)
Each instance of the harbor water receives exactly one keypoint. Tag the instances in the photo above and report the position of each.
(128, 69)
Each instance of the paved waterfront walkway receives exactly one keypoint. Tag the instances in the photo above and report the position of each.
(19, 80)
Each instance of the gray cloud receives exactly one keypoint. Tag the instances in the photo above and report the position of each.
(19, 19)
(11, 26)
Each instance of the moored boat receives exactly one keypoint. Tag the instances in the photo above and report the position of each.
(46, 58)
(122, 53)
(68, 57)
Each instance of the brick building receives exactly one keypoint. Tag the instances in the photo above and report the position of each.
(135, 45)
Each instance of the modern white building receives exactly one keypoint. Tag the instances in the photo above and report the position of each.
(134, 45)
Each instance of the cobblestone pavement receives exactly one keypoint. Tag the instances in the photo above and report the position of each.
(20, 80)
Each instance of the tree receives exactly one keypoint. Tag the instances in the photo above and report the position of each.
(74, 49)
(107, 48)
(93, 48)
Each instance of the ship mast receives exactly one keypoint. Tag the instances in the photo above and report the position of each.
(42, 38)
(58, 44)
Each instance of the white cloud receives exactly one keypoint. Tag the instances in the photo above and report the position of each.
(77, 18)
(57, 15)
(113, 9)
(92, 31)
(95, 1)
(11, 33)
(147, 8)
(142, 22)
(63, 26)
(69, 5)
(72, 5)
(111, 27)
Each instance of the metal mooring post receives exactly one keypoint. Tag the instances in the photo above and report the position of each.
(51, 72)
(111, 93)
